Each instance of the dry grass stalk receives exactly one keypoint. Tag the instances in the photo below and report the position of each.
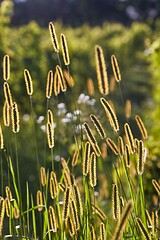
(127, 155)
(156, 186)
(68, 78)
(86, 158)
(53, 185)
(53, 37)
(7, 94)
(65, 51)
(6, 114)
(39, 199)
(143, 229)
(61, 79)
(93, 170)
(90, 87)
(99, 212)
(49, 85)
(102, 232)
(112, 146)
(28, 82)
(141, 158)
(128, 108)
(98, 126)
(50, 134)
(110, 114)
(2, 213)
(15, 118)
(1, 139)
(115, 68)
(129, 137)
(56, 84)
(52, 219)
(101, 71)
(122, 223)
(141, 127)
(43, 176)
(75, 157)
(6, 67)
(115, 202)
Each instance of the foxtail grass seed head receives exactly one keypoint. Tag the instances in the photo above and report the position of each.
(1, 139)
(93, 233)
(104, 150)
(141, 127)
(53, 37)
(68, 78)
(43, 176)
(53, 185)
(78, 200)
(89, 134)
(75, 158)
(154, 222)
(2, 213)
(15, 118)
(74, 214)
(8, 193)
(149, 219)
(66, 203)
(67, 178)
(70, 226)
(96, 149)
(39, 198)
(7, 94)
(49, 85)
(61, 80)
(156, 185)
(90, 87)
(6, 67)
(98, 126)
(120, 145)
(110, 114)
(102, 232)
(28, 82)
(52, 219)
(99, 212)
(65, 165)
(122, 223)
(86, 158)
(56, 84)
(129, 137)
(65, 51)
(115, 68)
(143, 229)
(112, 146)
(8, 207)
(128, 109)
(101, 71)
(112, 84)
(50, 135)
(93, 170)
(50, 117)
(141, 158)
(115, 202)
(62, 187)
(6, 114)
(127, 155)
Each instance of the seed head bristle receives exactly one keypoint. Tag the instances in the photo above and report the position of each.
(68, 78)
(50, 117)
(86, 158)
(75, 216)
(43, 176)
(102, 232)
(61, 80)
(93, 170)
(101, 71)
(8, 193)
(49, 85)
(52, 219)
(66, 203)
(98, 126)
(50, 134)
(127, 155)
(129, 137)
(7, 94)
(65, 165)
(141, 127)
(143, 229)
(90, 87)
(70, 226)
(115, 202)
(6, 67)
(2, 213)
(75, 157)
(112, 146)
(7, 207)
(28, 82)
(110, 114)
(77, 198)
(115, 68)
(154, 222)
(15, 118)
(53, 185)
(39, 200)
(6, 114)
(93, 233)
(1, 138)
(120, 145)
(89, 134)
(53, 37)
(56, 84)
(141, 158)
(65, 52)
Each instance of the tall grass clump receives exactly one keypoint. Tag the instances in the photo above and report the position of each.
(93, 189)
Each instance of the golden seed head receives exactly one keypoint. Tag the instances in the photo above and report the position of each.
(53, 37)
(61, 80)
(115, 68)
(43, 176)
(6, 114)
(28, 82)
(49, 85)
(98, 126)
(90, 87)
(50, 134)
(68, 78)
(93, 170)
(15, 118)
(39, 198)
(128, 108)
(7, 94)
(1, 138)
(65, 52)
(6, 67)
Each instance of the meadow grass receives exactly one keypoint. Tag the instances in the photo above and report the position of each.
(85, 196)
